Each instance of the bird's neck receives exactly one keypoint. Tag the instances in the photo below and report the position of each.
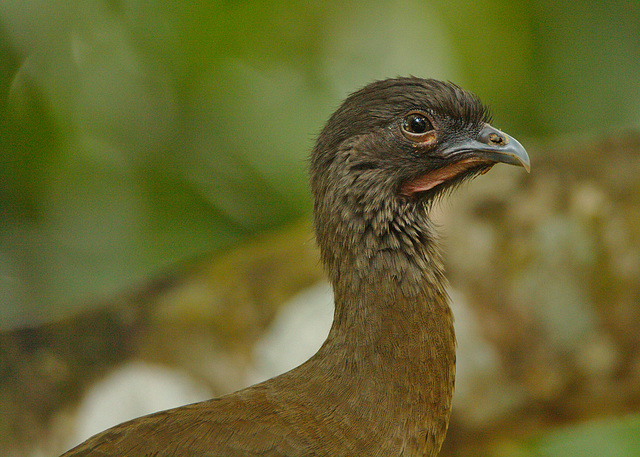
(392, 342)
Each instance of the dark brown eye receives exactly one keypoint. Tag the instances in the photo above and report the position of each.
(416, 123)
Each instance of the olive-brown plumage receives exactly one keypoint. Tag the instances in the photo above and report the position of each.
(382, 383)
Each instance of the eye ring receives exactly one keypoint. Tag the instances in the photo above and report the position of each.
(417, 127)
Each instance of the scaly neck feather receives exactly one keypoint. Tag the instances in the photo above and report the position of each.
(392, 342)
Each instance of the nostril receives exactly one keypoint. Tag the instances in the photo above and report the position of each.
(498, 140)
(492, 137)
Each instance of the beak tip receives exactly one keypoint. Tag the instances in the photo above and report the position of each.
(519, 153)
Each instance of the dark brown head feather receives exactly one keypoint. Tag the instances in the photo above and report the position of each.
(379, 103)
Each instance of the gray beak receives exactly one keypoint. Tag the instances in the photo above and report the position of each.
(496, 146)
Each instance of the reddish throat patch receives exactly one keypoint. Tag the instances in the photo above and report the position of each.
(444, 174)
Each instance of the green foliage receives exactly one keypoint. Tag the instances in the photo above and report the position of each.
(136, 134)
(617, 437)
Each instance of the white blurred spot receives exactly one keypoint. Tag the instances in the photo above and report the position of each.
(131, 391)
(296, 334)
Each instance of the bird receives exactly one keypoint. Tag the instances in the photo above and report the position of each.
(383, 381)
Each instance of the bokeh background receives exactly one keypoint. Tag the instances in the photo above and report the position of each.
(139, 138)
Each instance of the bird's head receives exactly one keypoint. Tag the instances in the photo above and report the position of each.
(392, 147)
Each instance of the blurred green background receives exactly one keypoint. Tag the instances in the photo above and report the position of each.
(136, 134)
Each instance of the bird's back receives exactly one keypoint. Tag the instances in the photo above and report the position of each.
(262, 420)
(246, 423)
(295, 414)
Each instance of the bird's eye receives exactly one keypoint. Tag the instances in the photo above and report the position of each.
(418, 129)
(416, 123)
